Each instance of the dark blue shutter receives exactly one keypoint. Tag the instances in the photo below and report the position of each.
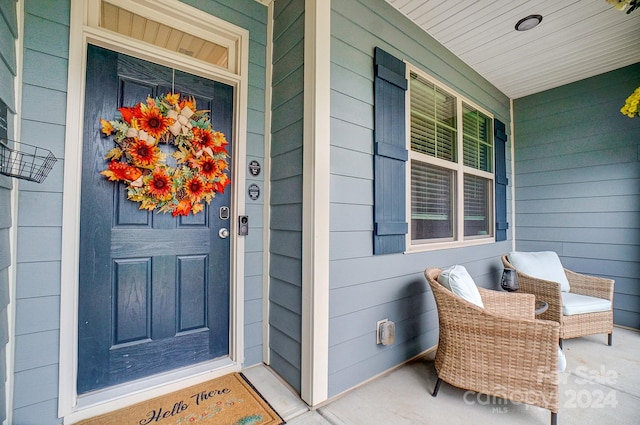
(390, 154)
(500, 142)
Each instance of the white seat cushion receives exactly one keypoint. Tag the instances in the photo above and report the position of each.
(457, 280)
(543, 265)
(581, 304)
(562, 360)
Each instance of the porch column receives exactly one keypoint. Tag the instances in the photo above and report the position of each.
(315, 215)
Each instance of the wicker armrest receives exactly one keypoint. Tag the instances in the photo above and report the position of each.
(593, 286)
(515, 305)
(512, 345)
(544, 290)
(515, 339)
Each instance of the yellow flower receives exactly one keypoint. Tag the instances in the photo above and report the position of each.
(619, 4)
(630, 107)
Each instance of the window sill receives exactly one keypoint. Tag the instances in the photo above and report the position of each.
(437, 246)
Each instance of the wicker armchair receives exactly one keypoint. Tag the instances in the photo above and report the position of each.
(499, 350)
(579, 324)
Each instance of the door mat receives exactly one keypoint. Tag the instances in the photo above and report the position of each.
(228, 400)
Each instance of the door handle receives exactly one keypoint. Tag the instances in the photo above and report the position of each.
(223, 233)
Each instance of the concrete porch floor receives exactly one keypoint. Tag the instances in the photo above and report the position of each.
(601, 385)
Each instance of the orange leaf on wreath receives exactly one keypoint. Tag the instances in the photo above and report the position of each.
(173, 98)
(219, 142)
(219, 186)
(183, 208)
(129, 113)
(121, 171)
(197, 207)
(191, 103)
(107, 128)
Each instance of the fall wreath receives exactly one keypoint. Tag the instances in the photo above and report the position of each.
(137, 160)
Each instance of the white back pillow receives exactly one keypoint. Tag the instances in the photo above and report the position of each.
(457, 280)
(544, 265)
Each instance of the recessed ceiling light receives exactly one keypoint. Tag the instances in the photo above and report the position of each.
(529, 22)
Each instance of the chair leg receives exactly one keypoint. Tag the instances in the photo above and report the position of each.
(435, 390)
(610, 339)
(554, 418)
(560, 342)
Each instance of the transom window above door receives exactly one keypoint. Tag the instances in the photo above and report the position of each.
(451, 166)
(165, 24)
(130, 24)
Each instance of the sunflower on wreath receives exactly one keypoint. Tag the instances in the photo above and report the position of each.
(137, 161)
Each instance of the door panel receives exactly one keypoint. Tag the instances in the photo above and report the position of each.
(192, 294)
(154, 289)
(132, 294)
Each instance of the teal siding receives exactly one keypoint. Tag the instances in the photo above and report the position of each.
(364, 288)
(46, 45)
(285, 250)
(8, 35)
(578, 181)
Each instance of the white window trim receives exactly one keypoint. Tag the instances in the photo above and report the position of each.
(83, 14)
(460, 169)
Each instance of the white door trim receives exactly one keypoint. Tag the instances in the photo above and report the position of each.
(266, 237)
(16, 122)
(70, 407)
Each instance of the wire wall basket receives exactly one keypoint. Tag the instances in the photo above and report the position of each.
(27, 162)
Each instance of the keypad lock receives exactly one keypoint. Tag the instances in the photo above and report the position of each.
(224, 213)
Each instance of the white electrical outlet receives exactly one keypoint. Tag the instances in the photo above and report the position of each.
(379, 330)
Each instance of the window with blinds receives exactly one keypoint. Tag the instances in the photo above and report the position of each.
(432, 201)
(433, 120)
(477, 205)
(451, 193)
(477, 139)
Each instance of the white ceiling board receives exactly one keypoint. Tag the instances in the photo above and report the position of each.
(577, 39)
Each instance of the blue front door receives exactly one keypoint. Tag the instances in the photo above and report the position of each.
(154, 289)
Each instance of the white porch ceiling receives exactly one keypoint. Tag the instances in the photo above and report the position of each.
(576, 39)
